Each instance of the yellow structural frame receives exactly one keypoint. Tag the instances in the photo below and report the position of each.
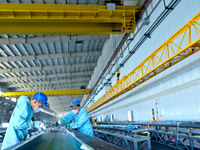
(185, 42)
(65, 19)
(48, 93)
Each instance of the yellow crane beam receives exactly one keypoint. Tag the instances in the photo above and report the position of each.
(48, 93)
(65, 19)
(185, 42)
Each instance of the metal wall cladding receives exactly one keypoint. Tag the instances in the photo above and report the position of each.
(181, 104)
(174, 93)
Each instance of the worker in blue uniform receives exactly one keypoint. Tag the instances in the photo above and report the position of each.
(107, 119)
(81, 119)
(21, 117)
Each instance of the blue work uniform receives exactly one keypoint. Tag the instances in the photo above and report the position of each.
(107, 119)
(81, 122)
(19, 123)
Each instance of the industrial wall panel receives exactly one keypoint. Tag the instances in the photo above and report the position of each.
(175, 92)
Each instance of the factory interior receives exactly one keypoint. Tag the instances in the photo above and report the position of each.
(99, 74)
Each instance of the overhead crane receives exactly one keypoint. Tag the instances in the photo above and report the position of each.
(48, 93)
(66, 19)
(185, 42)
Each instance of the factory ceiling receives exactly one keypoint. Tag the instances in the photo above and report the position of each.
(49, 62)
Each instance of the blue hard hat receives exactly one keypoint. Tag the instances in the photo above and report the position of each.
(75, 103)
(41, 97)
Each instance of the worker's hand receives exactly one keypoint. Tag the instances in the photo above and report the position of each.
(68, 125)
(62, 124)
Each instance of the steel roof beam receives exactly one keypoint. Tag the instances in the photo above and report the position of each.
(53, 82)
(55, 38)
(49, 56)
(26, 69)
(49, 76)
(66, 86)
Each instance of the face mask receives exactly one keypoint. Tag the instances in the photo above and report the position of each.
(36, 109)
(75, 112)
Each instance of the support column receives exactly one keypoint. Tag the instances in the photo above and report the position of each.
(2, 113)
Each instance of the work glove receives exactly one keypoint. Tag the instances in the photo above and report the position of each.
(63, 123)
(68, 125)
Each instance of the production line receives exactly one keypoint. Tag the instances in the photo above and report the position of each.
(62, 139)
(127, 135)
(163, 135)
